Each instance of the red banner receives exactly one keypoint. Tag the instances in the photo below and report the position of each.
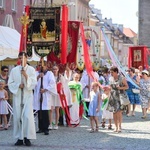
(71, 45)
(23, 37)
(73, 33)
(138, 56)
(64, 34)
(88, 63)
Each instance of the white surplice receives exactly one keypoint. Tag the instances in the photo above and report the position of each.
(23, 118)
(50, 96)
(86, 81)
(66, 89)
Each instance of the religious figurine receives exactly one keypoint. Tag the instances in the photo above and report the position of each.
(88, 39)
(43, 28)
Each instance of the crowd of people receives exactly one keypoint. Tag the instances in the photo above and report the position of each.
(62, 98)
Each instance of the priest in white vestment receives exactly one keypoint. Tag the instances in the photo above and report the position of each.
(21, 83)
(76, 89)
(48, 93)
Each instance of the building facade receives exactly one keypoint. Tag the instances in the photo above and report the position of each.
(14, 8)
(119, 41)
(78, 9)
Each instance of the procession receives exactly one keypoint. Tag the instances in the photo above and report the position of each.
(59, 82)
(101, 106)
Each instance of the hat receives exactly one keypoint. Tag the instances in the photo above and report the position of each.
(106, 87)
(146, 72)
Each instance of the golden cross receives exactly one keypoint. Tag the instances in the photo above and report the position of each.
(24, 19)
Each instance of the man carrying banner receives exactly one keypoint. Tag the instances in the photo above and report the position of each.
(22, 81)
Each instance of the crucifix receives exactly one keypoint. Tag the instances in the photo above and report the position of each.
(24, 20)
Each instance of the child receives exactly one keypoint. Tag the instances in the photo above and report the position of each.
(106, 114)
(3, 103)
(94, 106)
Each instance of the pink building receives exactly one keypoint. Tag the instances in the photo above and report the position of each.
(14, 8)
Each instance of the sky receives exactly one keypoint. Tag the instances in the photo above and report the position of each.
(121, 11)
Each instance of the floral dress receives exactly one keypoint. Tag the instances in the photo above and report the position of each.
(144, 92)
(114, 100)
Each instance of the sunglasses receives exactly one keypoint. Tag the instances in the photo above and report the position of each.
(144, 73)
(5, 70)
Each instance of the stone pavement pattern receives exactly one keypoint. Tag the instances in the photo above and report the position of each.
(135, 135)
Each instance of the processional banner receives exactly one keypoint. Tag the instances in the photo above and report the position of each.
(73, 33)
(139, 56)
(44, 31)
(92, 39)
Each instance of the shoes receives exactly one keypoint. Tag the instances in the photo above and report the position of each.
(92, 131)
(103, 124)
(119, 130)
(50, 127)
(133, 114)
(27, 142)
(55, 127)
(19, 143)
(1, 126)
(6, 127)
(39, 131)
(115, 130)
(8, 124)
(143, 117)
(97, 129)
(128, 115)
(109, 127)
(46, 132)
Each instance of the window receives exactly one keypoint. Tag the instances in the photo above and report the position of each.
(14, 6)
(1, 3)
(24, 2)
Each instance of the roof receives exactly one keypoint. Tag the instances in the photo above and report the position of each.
(129, 33)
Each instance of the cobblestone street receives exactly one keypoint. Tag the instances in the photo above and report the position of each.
(135, 135)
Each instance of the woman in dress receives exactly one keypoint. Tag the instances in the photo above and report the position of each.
(118, 84)
(133, 97)
(144, 92)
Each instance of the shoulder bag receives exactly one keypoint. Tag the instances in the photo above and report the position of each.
(124, 99)
(135, 91)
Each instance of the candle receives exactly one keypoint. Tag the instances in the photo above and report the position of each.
(23, 61)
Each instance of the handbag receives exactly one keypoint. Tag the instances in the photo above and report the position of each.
(110, 108)
(124, 99)
(136, 91)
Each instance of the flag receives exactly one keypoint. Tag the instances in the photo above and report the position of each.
(64, 34)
